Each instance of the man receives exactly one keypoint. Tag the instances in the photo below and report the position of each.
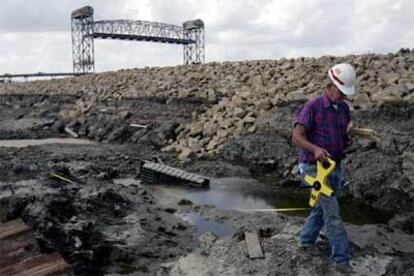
(320, 131)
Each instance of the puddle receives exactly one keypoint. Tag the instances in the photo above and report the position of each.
(38, 142)
(202, 225)
(250, 194)
(231, 193)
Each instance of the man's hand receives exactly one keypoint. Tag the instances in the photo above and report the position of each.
(349, 132)
(348, 141)
(320, 154)
(349, 127)
(299, 138)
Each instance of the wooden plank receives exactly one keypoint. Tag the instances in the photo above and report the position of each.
(253, 245)
(51, 264)
(12, 228)
(19, 253)
(54, 266)
(15, 251)
(366, 132)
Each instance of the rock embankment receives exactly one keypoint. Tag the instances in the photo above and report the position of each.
(238, 92)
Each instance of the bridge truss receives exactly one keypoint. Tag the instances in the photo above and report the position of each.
(85, 30)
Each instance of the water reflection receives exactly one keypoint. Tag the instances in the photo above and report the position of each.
(244, 194)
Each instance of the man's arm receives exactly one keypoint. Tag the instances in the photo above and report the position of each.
(299, 139)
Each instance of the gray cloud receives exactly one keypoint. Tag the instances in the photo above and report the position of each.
(52, 15)
(388, 26)
(35, 34)
(172, 12)
(35, 52)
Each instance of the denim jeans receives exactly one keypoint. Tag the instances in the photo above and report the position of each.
(326, 213)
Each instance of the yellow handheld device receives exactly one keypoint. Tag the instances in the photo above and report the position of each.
(319, 183)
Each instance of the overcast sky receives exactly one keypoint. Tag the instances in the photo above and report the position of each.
(35, 34)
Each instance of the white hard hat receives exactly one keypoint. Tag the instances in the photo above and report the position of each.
(343, 76)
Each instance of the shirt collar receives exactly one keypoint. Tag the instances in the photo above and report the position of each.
(326, 101)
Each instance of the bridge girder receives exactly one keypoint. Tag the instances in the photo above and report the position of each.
(85, 30)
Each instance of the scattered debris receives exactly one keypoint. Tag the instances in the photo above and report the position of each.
(138, 125)
(71, 132)
(159, 160)
(55, 175)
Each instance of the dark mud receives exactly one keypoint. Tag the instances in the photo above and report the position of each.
(33, 117)
(99, 222)
(103, 225)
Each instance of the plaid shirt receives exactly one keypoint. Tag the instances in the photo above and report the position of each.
(326, 127)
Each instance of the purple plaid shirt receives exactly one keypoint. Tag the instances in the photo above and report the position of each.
(325, 127)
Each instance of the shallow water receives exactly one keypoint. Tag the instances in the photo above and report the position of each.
(250, 194)
(203, 225)
(38, 142)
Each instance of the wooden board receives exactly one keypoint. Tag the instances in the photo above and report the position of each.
(40, 265)
(12, 228)
(20, 254)
(253, 245)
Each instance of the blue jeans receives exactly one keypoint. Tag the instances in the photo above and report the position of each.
(326, 213)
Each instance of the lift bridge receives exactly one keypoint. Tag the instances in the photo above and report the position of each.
(85, 30)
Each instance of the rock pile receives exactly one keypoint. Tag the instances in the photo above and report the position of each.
(237, 92)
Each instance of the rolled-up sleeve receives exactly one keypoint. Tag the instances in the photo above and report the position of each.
(304, 116)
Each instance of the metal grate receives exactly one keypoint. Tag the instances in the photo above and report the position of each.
(154, 173)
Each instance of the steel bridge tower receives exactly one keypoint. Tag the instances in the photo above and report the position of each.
(194, 52)
(85, 30)
(82, 40)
